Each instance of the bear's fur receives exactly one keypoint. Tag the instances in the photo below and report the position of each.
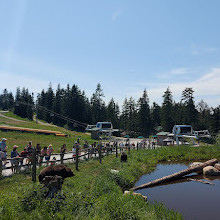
(59, 170)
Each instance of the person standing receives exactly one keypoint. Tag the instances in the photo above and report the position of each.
(62, 152)
(76, 145)
(3, 150)
(14, 159)
(43, 153)
(49, 152)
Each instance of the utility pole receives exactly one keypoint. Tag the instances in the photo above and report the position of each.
(36, 112)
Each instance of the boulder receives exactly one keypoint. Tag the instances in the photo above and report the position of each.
(114, 171)
(217, 166)
(135, 194)
(196, 164)
(211, 171)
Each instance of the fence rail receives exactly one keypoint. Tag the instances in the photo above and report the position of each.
(85, 154)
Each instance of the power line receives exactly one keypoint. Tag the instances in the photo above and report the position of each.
(78, 123)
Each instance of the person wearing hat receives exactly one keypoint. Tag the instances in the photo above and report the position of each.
(76, 144)
(3, 151)
(14, 158)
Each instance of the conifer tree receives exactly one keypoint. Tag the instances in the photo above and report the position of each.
(144, 117)
(167, 120)
(98, 105)
(112, 113)
(190, 113)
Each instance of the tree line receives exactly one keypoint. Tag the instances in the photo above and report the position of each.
(71, 108)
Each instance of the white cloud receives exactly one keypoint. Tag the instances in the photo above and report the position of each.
(205, 87)
(116, 14)
(180, 71)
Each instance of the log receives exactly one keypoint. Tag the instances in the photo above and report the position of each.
(201, 181)
(176, 175)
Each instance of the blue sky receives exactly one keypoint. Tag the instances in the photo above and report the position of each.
(125, 45)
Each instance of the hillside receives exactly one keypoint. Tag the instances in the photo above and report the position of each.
(22, 139)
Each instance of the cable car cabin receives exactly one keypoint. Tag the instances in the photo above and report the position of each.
(104, 126)
(203, 133)
(89, 127)
(183, 130)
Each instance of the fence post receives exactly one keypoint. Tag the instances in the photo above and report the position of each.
(77, 158)
(129, 146)
(137, 145)
(34, 164)
(95, 149)
(100, 152)
(116, 147)
(0, 168)
(61, 158)
(88, 150)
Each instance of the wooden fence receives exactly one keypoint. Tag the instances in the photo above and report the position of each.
(85, 154)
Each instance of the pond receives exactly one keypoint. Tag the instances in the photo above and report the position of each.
(193, 199)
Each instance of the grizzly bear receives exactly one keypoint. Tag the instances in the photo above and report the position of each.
(59, 170)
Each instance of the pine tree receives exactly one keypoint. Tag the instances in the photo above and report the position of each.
(6, 100)
(190, 113)
(49, 98)
(98, 108)
(167, 121)
(144, 117)
(204, 119)
(112, 113)
(156, 117)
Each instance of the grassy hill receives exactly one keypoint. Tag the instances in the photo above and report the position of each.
(22, 139)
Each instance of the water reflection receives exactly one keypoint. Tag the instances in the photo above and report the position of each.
(193, 199)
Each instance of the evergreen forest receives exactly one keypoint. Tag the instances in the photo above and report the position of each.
(70, 108)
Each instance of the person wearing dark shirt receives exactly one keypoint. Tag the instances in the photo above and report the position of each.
(124, 157)
(14, 159)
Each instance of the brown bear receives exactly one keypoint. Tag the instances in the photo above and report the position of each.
(59, 170)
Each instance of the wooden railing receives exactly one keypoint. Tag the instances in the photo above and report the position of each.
(85, 154)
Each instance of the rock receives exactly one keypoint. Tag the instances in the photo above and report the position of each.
(211, 171)
(196, 164)
(217, 166)
(114, 171)
(135, 194)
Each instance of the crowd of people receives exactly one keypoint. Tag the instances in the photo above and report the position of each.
(24, 157)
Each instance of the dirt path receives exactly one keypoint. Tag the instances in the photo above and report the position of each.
(34, 119)
(13, 119)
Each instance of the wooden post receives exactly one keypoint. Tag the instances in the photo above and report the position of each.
(137, 145)
(129, 146)
(177, 175)
(100, 152)
(0, 168)
(77, 158)
(61, 158)
(34, 165)
(95, 151)
(88, 150)
(116, 148)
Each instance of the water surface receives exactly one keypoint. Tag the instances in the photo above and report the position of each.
(194, 200)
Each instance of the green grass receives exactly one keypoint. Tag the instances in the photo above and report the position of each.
(94, 192)
(22, 139)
